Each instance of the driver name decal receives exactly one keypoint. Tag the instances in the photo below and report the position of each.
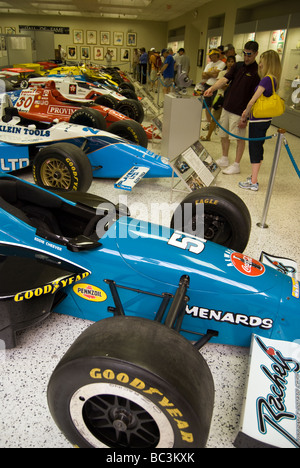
(90, 292)
(231, 318)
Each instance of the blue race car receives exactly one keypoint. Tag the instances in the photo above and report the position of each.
(67, 156)
(134, 379)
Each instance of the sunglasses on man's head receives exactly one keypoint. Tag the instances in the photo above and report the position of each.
(247, 53)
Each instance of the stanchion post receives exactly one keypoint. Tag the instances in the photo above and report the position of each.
(280, 137)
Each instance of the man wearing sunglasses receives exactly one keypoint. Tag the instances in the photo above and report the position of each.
(242, 79)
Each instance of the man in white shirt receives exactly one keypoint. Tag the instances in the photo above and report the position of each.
(210, 76)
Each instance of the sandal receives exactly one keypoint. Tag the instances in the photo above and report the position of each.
(204, 138)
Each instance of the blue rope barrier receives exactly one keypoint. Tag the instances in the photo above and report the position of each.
(232, 134)
(292, 158)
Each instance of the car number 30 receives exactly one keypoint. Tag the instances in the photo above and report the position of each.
(187, 242)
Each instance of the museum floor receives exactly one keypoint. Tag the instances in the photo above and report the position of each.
(25, 421)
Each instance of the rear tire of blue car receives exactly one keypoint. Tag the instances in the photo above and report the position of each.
(226, 218)
(62, 166)
(132, 109)
(128, 382)
(88, 117)
(130, 130)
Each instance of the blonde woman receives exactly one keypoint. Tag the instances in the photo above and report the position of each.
(269, 66)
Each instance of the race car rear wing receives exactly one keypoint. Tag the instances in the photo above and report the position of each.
(131, 178)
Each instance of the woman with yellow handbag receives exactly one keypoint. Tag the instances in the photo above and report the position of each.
(260, 111)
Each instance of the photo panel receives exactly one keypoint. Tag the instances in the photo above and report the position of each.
(72, 52)
(85, 53)
(104, 37)
(78, 36)
(98, 53)
(118, 38)
(125, 54)
(91, 37)
(131, 39)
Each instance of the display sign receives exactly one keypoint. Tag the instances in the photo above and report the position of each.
(54, 29)
(195, 167)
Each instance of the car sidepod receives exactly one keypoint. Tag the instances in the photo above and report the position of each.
(140, 264)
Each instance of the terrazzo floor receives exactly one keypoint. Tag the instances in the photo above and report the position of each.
(25, 421)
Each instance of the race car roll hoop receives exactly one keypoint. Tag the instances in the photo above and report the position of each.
(280, 139)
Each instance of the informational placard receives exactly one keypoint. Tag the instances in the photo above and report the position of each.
(195, 167)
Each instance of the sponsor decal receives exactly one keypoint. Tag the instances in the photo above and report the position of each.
(295, 288)
(12, 164)
(49, 288)
(250, 321)
(24, 131)
(163, 402)
(72, 88)
(246, 265)
(274, 410)
(90, 292)
(60, 110)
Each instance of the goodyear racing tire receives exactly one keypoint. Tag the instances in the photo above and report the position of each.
(62, 166)
(120, 385)
(130, 130)
(88, 117)
(127, 85)
(107, 101)
(129, 94)
(132, 109)
(226, 220)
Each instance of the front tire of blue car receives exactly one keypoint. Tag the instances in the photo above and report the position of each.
(128, 382)
(62, 166)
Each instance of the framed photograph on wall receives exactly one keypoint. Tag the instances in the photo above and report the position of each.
(78, 36)
(85, 53)
(118, 38)
(131, 39)
(104, 37)
(98, 53)
(91, 37)
(113, 53)
(72, 52)
(125, 55)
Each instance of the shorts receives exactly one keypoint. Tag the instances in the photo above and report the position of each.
(230, 123)
(168, 82)
(256, 148)
(153, 75)
(209, 99)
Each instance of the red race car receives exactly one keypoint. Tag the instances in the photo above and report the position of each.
(45, 104)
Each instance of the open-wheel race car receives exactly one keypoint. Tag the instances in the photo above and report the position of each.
(47, 102)
(74, 89)
(67, 156)
(135, 377)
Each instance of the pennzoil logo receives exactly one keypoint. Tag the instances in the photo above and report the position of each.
(90, 292)
(50, 288)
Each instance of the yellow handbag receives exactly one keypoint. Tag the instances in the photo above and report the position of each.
(272, 106)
